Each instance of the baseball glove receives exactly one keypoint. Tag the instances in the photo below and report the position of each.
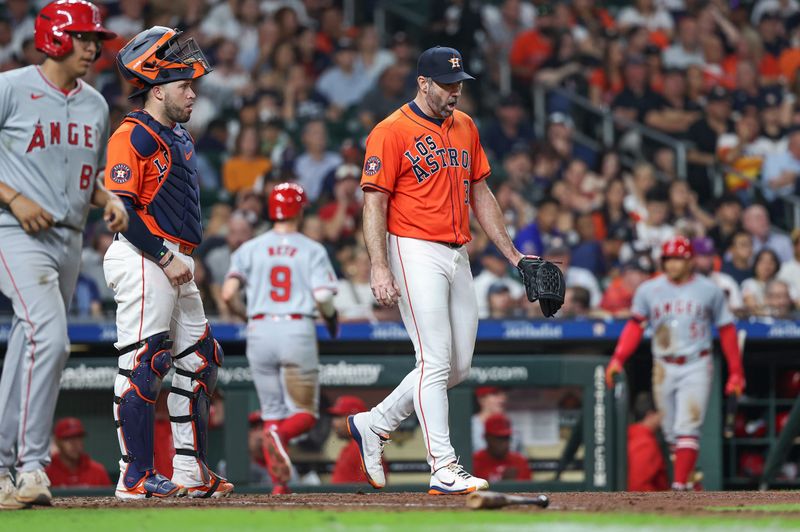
(543, 281)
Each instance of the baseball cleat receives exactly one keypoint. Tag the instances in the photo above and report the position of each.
(454, 480)
(217, 488)
(370, 446)
(8, 492)
(152, 485)
(280, 466)
(32, 488)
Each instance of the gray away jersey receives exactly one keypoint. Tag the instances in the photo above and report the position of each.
(280, 273)
(681, 316)
(53, 144)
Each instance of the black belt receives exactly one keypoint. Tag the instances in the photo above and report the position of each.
(451, 245)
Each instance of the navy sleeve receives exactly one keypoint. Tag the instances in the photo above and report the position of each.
(139, 235)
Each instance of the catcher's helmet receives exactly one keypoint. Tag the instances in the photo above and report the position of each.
(155, 57)
(677, 247)
(286, 201)
(56, 20)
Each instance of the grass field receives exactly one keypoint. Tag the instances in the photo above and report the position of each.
(297, 519)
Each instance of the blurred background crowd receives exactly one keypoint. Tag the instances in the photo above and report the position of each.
(610, 127)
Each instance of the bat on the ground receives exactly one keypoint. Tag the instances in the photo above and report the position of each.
(732, 401)
(485, 500)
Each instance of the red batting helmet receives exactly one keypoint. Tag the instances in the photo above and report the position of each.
(57, 20)
(155, 56)
(286, 201)
(751, 464)
(677, 247)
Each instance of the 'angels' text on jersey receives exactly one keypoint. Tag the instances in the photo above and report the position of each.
(74, 135)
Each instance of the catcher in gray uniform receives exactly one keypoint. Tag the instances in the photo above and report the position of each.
(287, 277)
(53, 129)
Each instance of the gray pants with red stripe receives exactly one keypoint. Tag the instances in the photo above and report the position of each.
(38, 274)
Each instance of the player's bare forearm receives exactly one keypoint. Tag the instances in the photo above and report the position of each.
(382, 282)
(491, 218)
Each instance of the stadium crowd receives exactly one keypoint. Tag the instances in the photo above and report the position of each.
(297, 86)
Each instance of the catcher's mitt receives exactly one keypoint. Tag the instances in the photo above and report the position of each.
(543, 281)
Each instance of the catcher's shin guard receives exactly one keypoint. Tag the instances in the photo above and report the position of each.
(189, 401)
(141, 367)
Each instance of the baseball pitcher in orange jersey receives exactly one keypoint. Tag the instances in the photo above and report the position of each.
(423, 170)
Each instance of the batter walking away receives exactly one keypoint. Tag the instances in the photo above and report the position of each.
(160, 320)
(681, 307)
(287, 277)
(424, 167)
(53, 129)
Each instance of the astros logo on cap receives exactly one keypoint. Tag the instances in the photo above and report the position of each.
(455, 61)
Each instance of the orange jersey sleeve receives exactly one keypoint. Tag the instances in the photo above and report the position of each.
(130, 173)
(427, 168)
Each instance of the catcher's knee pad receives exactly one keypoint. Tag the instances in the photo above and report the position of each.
(142, 366)
(195, 379)
(302, 388)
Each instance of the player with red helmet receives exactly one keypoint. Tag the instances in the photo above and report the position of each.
(54, 128)
(288, 278)
(680, 308)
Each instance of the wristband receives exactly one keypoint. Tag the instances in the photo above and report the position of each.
(15, 196)
(166, 263)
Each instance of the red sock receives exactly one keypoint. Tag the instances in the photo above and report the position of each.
(685, 459)
(295, 425)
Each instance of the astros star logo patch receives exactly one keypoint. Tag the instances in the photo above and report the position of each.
(120, 173)
(455, 62)
(372, 166)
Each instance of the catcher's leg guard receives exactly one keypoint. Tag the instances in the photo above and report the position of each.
(189, 401)
(141, 367)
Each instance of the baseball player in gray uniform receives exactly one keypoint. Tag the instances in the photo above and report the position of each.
(287, 277)
(53, 129)
(681, 308)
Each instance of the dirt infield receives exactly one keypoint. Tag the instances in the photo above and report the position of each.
(692, 503)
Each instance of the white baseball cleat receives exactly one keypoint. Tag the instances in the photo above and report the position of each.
(8, 492)
(32, 488)
(370, 446)
(454, 480)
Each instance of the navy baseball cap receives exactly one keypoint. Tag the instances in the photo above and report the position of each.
(442, 64)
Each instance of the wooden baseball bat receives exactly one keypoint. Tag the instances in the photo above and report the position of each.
(487, 500)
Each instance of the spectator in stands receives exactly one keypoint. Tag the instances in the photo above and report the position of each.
(704, 259)
(92, 262)
(509, 130)
(687, 50)
(390, 93)
(647, 469)
(577, 303)
(655, 229)
(240, 230)
(755, 221)
(611, 214)
(86, 302)
(671, 111)
(765, 269)
(746, 95)
(559, 253)
(560, 138)
(563, 68)
(617, 247)
(780, 176)
(130, 19)
(503, 23)
(228, 80)
(546, 170)
(705, 134)
(497, 461)
(316, 162)
(685, 211)
(301, 101)
(491, 400)
(647, 13)
(588, 252)
(739, 263)
(618, 297)
(517, 212)
(354, 300)
(502, 305)
(778, 299)
(775, 116)
(728, 215)
(347, 469)
(531, 48)
(591, 17)
(790, 270)
(534, 238)
(71, 466)
(741, 154)
(495, 271)
(345, 83)
(371, 59)
(247, 164)
(633, 102)
(644, 179)
(341, 216)
(607, 81)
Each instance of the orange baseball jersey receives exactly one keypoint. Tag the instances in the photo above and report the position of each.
(140, 162)
(427, 167)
